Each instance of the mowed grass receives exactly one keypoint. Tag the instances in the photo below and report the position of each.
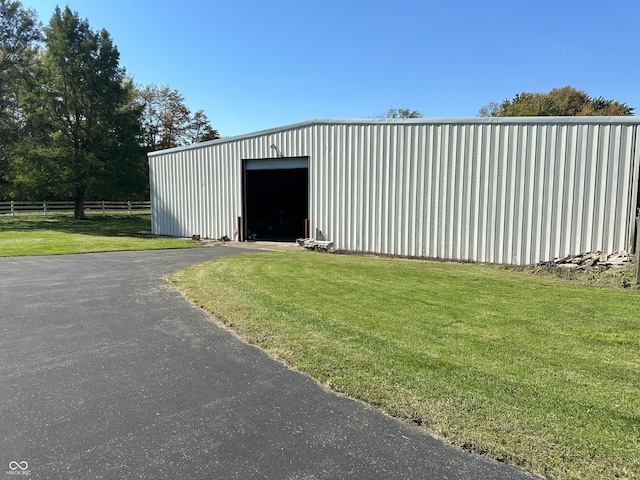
(37, 235)
(534, 371)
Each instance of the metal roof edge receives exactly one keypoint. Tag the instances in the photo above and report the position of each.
(573, 120)
(233, 138)
(479, 120)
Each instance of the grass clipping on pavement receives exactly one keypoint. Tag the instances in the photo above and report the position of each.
(534, 371)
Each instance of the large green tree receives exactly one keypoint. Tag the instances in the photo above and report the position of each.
(84, 135)
(565, 101)
(19, 37)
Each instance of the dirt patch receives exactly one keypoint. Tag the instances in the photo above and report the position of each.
(257, 245)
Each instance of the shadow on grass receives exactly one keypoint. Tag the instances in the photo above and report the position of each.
(109, 226)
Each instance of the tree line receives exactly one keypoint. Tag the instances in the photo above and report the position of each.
(73, 124)
(565, 101)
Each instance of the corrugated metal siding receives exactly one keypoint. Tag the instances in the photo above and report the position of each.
(482, 190)
(195, 191)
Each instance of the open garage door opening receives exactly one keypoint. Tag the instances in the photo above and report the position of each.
(276, 199)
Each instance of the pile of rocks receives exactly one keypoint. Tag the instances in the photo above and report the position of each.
(591, 261)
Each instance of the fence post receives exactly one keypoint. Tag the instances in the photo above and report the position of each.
(638, 250)
(103, 214)
(13, 213)
(44, 206)
(129, 206)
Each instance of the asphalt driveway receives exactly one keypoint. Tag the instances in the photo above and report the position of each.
(107, 372)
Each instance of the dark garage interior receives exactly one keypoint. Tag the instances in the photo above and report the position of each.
(276, 204)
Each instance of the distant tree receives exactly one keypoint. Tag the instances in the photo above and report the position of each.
(83, 131)
(19, 37)
(565, 101)
(489, 110)
(602, 106)
(200, 129)
(165, 117)
(167, 122)
(403, 113)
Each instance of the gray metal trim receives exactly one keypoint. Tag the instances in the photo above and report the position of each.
(285, 163)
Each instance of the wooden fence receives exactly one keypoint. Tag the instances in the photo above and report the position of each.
(15, 209)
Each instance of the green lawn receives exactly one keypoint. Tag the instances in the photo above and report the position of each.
(535, 371)
(36, 235)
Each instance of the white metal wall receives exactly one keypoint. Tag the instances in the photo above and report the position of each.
(515, 191)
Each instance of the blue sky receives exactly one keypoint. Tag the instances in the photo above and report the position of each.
(252, 64)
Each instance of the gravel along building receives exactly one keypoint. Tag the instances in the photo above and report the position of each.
(497, 190)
